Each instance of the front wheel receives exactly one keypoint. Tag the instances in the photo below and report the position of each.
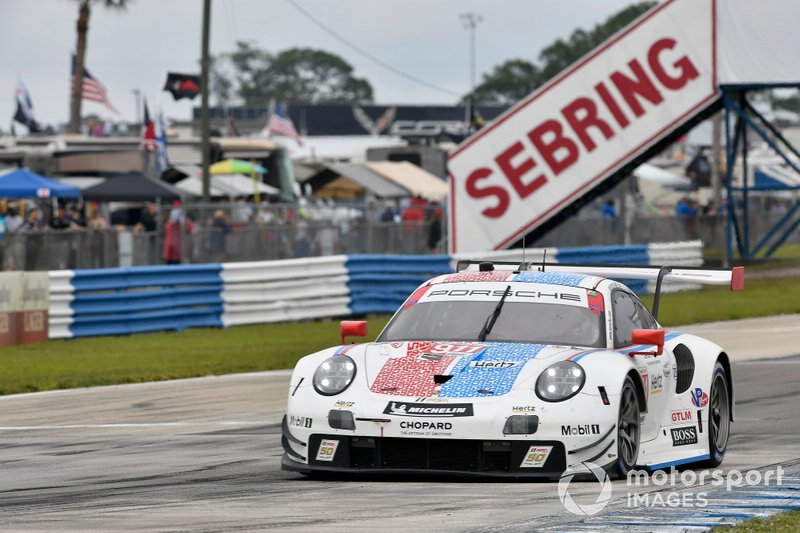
(719, 416)
(628, 429)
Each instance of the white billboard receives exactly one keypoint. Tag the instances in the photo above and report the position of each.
(572, 133)
(757, 42)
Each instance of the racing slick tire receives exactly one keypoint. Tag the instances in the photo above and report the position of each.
(719, 416)
(628, 430)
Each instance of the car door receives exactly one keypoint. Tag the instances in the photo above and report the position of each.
(629, 313)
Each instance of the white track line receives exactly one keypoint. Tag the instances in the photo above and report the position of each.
(133, 425)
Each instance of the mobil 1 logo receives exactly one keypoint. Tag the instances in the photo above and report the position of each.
(582, 429)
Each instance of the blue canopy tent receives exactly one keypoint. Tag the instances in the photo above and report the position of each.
(22, 183)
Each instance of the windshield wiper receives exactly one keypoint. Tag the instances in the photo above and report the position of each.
(491, 319)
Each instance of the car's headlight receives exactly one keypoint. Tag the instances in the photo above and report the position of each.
(334, 375)
(560, 381)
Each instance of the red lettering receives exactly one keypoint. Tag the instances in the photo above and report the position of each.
(612, 105)
(476, 192)
(641, 85)
(687, 70)
(558, 143)
(515, 173)
(588, 109)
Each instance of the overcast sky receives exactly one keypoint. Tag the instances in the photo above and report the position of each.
(134, 49)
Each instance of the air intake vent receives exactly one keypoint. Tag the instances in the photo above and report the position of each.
(685, 363)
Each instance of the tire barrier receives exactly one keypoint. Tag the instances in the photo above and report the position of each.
(120, 301)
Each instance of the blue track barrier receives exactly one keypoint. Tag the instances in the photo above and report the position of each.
(381, 283)
(120, 301)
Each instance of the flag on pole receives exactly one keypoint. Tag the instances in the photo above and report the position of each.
(148, 131)
(281, 124)
(182, 85)
(24, 113)
(93, 90)
(473, 121)
(161, 142)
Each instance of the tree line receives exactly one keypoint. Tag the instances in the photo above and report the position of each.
(254, 76)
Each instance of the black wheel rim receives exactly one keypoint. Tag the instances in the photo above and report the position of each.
(719, 413)
(628, 431)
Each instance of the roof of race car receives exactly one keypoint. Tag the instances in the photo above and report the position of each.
(552, 278)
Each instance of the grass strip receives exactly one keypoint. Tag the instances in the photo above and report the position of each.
(779, 523)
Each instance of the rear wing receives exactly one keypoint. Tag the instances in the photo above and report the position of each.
(734, 277)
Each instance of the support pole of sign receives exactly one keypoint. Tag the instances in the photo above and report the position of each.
(716, 174)
(204, 118)
(745, 179)
(730, 211)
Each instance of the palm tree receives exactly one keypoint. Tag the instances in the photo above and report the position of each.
(84, 12)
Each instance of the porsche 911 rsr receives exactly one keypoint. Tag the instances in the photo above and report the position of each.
(516, 372)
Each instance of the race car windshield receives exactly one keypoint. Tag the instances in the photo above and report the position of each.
(540, 323)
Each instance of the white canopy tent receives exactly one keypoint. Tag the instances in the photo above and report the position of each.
(226, 185)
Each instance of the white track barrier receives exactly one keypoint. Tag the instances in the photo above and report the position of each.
(287, 290)
(60, 314)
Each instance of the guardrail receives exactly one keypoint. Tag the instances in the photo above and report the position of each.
(120, 301)
(278, 291)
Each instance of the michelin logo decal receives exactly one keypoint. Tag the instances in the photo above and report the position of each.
(428, 410)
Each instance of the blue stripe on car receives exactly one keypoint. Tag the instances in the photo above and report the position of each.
(678, 462)
(555, 278)
(669, 336)
(468, 379)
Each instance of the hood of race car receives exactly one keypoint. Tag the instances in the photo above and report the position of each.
(486, 369)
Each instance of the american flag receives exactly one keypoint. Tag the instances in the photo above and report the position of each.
(93, 90)
(281, 124)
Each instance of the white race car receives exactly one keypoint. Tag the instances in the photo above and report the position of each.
(513, 371)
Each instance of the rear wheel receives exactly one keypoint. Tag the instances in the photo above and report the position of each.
(628, 429)
(719, 416)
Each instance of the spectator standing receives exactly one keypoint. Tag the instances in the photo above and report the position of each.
(173, 235)
(610, 216)
(387, 228)
(13, 220)
(75, 218)
(435, 230)
(97, 221)
(219, 230)
(60, 220)
(34, 240)
(148, 220)
(413, 218)
(148, 223)
(686, 212)
(33, 222)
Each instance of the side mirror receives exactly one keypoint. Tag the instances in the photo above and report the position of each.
(353, 328)
(648, 336)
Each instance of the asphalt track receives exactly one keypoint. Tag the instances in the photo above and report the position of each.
(203, 455)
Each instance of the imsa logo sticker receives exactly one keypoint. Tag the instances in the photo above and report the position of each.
(684, 436)
(327, 450)
(536, 457)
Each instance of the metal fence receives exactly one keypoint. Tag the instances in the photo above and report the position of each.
(261, 242)
(305, 237)
(57, 250)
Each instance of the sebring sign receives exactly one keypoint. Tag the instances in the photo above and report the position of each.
(579, 129)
